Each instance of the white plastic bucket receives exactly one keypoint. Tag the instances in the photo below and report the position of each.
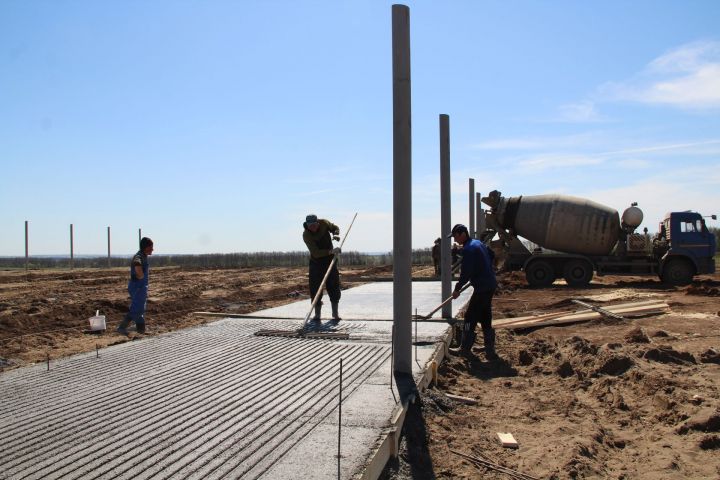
(97, 322)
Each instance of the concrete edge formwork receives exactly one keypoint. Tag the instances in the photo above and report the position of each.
(389, 442)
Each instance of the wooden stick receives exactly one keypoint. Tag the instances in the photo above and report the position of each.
(495, 466)
(465, 400)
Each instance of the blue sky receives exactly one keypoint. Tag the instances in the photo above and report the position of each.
(216, 126)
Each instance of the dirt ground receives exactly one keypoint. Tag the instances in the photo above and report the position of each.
(608, 398)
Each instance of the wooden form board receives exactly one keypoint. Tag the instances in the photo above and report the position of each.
(627, 309)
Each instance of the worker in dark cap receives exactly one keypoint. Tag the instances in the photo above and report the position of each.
(436, 256)
(476, 268)
(318, 235)
(138, 288)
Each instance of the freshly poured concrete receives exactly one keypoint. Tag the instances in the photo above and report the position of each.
(217, 401)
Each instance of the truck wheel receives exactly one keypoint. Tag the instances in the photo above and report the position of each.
(678, 272)
(539, 274)
(577, 273)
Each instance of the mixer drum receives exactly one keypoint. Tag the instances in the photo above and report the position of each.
(562, 222)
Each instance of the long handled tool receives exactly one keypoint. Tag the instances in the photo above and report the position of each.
(324, 280)
(445, 302)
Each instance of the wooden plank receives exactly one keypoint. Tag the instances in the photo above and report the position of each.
(611, 308)
(461, 399)
(581, 317)
(620, 308)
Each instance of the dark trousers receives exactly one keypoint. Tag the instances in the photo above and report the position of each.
(318, 268)
(479, 311)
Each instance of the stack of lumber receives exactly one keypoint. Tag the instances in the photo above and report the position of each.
(627, 310)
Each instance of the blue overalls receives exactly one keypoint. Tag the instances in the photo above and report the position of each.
(138, 290)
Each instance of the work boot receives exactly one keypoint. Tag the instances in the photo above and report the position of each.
(335, 315)
(140, 327)
(318, 308)
(460, 352)
(468, 337)
(489, 341)
(122, 328)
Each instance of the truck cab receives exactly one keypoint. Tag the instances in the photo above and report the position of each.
(685, 247)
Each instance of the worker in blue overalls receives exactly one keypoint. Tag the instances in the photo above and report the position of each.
(138, 288)
(476, 268)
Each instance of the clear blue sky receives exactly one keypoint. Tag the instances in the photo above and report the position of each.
(216, 126)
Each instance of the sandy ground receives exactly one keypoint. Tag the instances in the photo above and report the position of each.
(603, 399)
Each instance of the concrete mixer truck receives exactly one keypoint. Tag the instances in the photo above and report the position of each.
(577, 238)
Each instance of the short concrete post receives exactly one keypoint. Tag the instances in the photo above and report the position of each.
(402, 188)
(445, 243)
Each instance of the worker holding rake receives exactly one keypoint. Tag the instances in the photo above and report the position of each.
(318, 235)
(476, 268)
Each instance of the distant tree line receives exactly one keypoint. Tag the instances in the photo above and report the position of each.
(216, 260)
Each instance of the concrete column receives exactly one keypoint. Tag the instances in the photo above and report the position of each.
(402, 190)
(72, 254)
(479, 216)
(445, 256)
(27, 248)
(108, 246)
(471, 225)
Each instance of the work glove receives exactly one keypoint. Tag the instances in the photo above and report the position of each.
(336, 238)
(336, 251)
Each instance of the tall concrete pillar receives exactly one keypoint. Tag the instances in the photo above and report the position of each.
(72, 253)
(27, 246)
(108, 247)
(446, 243)
(402, 190)
(479, 215)
(471, 206)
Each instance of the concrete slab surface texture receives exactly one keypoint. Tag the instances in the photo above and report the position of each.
(217, 401)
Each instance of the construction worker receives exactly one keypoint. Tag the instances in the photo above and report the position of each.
(476, 268)
(436, 256)
(317, 236)
(138, 288)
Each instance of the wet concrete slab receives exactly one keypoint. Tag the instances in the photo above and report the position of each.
(218, 401)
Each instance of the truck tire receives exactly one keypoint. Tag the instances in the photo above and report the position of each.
(678, 271)
(539, 274)
(578, 273)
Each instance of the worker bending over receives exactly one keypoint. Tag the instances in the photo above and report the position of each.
(317, 237)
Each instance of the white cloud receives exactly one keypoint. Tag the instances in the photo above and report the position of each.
(545, 161)
(539, 143)
(581, 112)
(687, 77)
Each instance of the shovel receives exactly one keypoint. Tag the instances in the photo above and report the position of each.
(445, 302)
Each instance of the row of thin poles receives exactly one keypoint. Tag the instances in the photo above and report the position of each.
(72, 244)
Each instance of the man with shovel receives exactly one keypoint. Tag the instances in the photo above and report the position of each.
(317, 237)
(476, 268)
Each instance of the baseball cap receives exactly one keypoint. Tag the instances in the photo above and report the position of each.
(458, 229)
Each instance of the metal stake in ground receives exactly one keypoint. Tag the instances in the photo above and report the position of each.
(324, 280)
(339, 419)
